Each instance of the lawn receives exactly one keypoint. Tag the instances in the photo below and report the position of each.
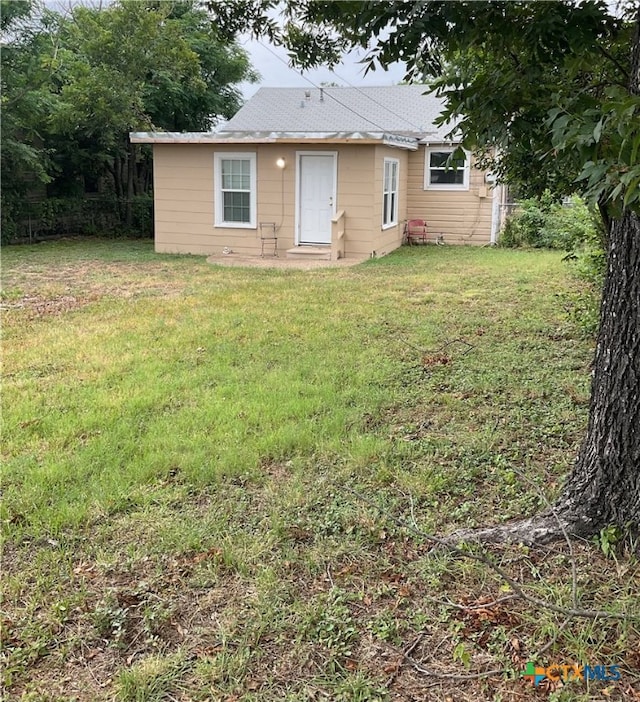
(216, 481)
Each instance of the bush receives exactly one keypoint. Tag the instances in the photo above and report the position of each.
(142, 215)
(8, 226)
(545, 223)
(525, 225)
(54, 217)
(568, 225)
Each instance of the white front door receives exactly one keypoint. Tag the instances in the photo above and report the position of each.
(316, 197)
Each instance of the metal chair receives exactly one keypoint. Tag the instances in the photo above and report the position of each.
(416, 231)
(268, 234)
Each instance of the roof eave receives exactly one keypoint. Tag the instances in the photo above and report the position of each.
(394, 140)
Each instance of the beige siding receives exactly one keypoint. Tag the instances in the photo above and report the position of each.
(183, 194)
(460, 216)
(386, 240)
(184, 197)
(356, 196)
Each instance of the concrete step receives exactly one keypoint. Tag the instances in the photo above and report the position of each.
(310, 253)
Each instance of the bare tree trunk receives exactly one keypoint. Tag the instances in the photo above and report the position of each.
(131, 174)
(117, 183)
(604, 486)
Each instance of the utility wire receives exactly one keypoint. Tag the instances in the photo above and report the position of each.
(350, 109)
(384, 107)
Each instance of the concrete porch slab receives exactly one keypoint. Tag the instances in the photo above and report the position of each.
(238, 260)
(309, 253)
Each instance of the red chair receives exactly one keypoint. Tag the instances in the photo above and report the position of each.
(416, 231)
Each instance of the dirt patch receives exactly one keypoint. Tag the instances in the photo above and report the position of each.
(41, 291)
(41, 306)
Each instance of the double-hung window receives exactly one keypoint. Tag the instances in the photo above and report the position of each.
(235, 190)
(445, 173)
(390, 193)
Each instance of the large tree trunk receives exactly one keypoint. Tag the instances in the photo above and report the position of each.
(604, 486)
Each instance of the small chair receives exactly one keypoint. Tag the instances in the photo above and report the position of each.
(268, 234)
(416, 231)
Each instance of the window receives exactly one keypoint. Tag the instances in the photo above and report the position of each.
(442, 174)
(235, 197)
(390, 193)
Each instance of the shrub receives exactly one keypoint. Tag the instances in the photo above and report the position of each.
(568, 225)
(588, 260)
(63, 216)
(524, 226)
(543, 222)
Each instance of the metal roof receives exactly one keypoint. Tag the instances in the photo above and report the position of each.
(398, 115)
(396, 109)
(398, 140)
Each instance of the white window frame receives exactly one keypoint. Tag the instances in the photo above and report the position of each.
(428, 185)
(390, 209)
(219, 157)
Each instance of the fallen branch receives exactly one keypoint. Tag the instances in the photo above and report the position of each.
(439, 351)
(405, 656)
(454, 676)
(481, 558)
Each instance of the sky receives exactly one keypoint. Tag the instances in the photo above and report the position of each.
(272, 64)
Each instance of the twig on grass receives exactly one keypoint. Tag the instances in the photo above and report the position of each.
(471, 608)
(434, 352)
(481, 558)
(454, 676)
(574, 573)
(405, 656)
(554, 638)
(328, 571)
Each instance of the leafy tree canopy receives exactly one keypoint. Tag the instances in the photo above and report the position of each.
(540, 89)
(75, 84)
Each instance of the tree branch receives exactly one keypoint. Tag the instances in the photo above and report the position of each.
(615, 62)
(481, 558)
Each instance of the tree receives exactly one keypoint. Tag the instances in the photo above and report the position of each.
(79, 82)
(141, 66)
(25, 103)
(548, 94)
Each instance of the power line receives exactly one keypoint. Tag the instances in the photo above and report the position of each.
(384, 107)
(328, 94)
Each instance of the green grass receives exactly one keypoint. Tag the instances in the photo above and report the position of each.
(183, 444)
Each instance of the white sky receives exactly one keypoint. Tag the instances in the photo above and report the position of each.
(275, 71)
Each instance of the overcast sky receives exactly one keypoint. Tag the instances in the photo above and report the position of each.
(275, 72)
(272, 64)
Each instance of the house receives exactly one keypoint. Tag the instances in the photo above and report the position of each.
(327, 171)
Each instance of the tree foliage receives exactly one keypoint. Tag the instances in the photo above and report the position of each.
(75, 85)
(539, 89)
(25, 96)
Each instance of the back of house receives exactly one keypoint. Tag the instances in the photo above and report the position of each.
(327, 172)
